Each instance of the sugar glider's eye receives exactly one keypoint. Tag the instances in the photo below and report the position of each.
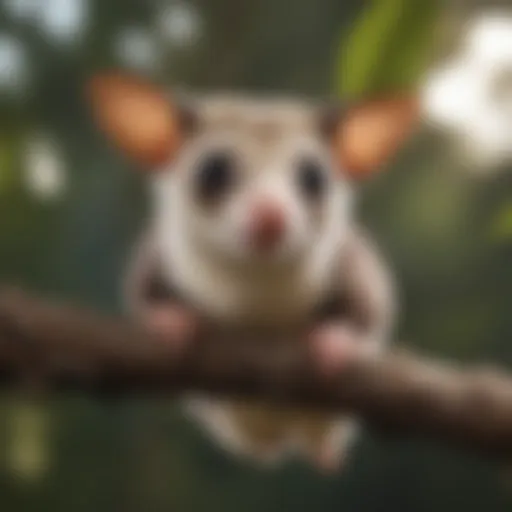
(215, 175)
(311, 178)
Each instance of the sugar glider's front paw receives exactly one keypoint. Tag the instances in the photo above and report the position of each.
(333, 345)
(172, 324)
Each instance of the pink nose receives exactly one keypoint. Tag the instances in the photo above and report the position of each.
(267, 225)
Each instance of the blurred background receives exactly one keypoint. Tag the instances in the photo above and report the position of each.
(70, 208)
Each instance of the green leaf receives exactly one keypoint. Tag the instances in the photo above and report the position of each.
(388, 48)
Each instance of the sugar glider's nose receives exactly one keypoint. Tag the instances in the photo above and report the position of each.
(267, 224)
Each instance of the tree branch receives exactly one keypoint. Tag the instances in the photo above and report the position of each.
(65, 348)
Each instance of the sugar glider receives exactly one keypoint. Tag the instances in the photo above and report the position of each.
(252, 223)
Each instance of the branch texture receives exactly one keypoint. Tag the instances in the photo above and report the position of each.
(65, 348)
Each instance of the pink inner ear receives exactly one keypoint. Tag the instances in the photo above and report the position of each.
(137, 117)
(370, 134)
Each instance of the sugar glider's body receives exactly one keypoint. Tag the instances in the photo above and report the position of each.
(252, 224)
(288, 303)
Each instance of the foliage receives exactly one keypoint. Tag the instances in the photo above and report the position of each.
(388, 46)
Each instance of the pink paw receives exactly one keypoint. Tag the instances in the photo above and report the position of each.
(335, 345)
(174, 325)
(328, 461)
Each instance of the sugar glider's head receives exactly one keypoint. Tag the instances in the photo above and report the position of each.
(250, 180)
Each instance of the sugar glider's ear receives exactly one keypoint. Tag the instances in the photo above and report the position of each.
(137, 116)
(367, 135)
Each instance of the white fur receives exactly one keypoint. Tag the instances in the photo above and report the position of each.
(206, 258)
(213, 416)
(226, 293)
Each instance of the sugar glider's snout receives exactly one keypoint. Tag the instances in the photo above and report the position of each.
(267, 225)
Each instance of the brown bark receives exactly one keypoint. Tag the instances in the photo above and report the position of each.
(66, 348)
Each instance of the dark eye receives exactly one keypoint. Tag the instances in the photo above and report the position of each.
(311, 178)
(216, 174)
